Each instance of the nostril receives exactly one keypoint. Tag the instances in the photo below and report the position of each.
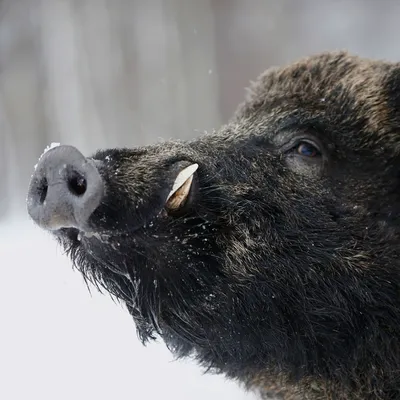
(42, 190)
(77, 184)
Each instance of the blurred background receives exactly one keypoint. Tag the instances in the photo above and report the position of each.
(109, 73)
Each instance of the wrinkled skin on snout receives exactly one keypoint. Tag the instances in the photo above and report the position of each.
(279, 265)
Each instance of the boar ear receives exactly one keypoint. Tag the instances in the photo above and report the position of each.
(392, 94)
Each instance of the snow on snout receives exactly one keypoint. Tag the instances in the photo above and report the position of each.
(49, 147)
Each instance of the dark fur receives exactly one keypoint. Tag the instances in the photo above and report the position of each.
(283, 277)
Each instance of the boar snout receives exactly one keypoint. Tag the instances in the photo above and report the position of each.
(64, 190)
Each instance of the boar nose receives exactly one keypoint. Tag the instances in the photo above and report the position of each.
(64, 190)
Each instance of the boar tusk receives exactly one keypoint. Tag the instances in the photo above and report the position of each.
(181, 188)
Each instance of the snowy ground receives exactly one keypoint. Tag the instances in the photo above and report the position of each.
(59, 342)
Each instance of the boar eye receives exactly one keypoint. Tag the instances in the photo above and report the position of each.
(304, 156)
(307, 149)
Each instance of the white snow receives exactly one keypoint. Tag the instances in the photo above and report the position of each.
(49, 147)
(58, 342)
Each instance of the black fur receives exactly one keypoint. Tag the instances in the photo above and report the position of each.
(282, 272)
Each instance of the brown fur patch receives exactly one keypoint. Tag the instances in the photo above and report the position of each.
(321, 82)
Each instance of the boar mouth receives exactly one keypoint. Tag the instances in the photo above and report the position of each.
(176, 200)
(69, 191)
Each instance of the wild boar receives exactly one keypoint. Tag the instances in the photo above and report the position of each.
(268, 250)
